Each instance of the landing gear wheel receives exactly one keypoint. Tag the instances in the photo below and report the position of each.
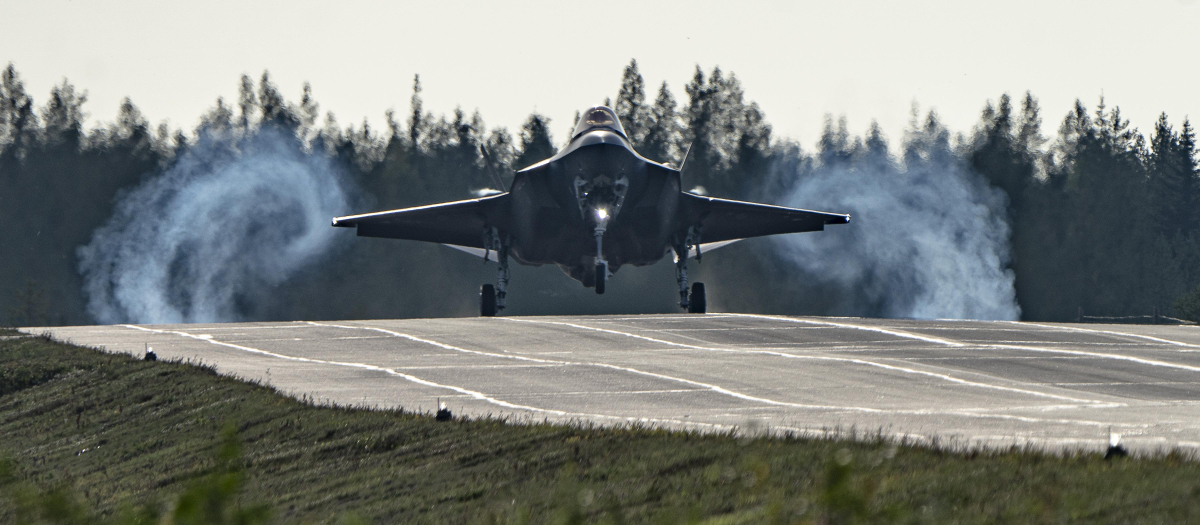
(487, 301)
(697, 303)
(601, 276)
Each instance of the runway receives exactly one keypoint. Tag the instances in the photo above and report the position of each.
(969, 383)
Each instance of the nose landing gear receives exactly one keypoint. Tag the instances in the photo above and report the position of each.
(601, 276)
(601, 264)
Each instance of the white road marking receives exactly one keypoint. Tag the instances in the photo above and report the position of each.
(897, 333)
(952, 343)
(1111, 332)
(485, 398)
(714, 388)
(943, 377)
(1101, 355)
(469, 393)
(725, 391)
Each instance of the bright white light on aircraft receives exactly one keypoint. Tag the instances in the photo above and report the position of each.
(601, 213)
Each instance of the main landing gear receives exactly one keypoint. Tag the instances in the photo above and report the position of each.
(487, 301)
(491, 299)
(696, 302)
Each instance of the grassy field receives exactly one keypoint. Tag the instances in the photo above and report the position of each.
(117, 439)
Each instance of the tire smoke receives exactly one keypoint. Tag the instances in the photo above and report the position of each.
(928, 239)
(208, 239)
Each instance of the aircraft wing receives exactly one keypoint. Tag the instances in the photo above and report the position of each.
(725, 220)
(460, 223)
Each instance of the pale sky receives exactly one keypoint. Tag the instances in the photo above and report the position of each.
(799, 60)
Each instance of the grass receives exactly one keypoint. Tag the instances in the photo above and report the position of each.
(130, 439)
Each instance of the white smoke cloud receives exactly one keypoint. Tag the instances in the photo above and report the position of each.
(207, 239)
(928, 239)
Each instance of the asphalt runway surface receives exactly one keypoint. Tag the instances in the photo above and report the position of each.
(963, 383)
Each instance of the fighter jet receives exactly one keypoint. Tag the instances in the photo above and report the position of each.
(593, 207)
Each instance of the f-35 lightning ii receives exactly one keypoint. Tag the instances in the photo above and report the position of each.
(593, 207)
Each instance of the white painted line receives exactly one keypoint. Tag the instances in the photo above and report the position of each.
(1100, 355)
(714, 388)
(943, 377)
(1108, 332)
(897, 333)
(949, 342)
(469, 393)
(485, 398)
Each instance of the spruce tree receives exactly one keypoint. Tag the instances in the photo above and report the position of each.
(631, 105)
(63, 117)
(416, 118)
(1168, 180)
(19, 128)
(536, 144)
(1186, 152)
(663, 132)
(247, 103)
(998, 154)
(274, 111)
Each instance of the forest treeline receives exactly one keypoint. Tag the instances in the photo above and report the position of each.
(1104, 219)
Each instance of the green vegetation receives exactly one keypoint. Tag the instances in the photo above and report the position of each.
(1102, 216)
(1188, 306)
(102, 438)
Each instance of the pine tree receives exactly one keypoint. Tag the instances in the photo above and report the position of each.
(309, 110)
(663, 132)
(1191, 188)
(417, 119)
(998, 152)
(18, 122)
(536, 144)
(247, 103)
(217, 122)
(753, 151)
(834, 147)
(133, 130)
(462, 156)
(1029, 128)
(63, 117)
(273, 109)
(1168, 180)
(631, 105)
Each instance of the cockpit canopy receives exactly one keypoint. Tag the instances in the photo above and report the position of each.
(599, 117)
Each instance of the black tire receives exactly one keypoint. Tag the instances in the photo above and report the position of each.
(697, 302)
(601, 277)
(487, 301)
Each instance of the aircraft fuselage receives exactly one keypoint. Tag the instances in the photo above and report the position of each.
(557, 205)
